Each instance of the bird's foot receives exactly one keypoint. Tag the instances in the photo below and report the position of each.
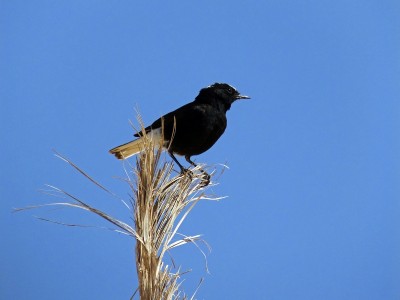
(187, 172)
(205, 179)
(204, 176)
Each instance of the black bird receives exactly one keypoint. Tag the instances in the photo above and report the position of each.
(198, 125)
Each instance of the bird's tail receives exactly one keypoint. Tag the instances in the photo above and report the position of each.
(127, 150)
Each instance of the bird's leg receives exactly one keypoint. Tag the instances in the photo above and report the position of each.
(206, 176)
(187, 157)
(177, 162)
(183, 170)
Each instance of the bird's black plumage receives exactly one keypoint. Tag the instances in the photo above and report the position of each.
(194, 128)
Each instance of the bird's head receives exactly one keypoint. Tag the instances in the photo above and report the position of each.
(222, 93)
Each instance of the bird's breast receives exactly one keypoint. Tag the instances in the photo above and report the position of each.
(198, 130)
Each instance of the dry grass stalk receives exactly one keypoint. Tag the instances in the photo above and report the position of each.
(161, 202)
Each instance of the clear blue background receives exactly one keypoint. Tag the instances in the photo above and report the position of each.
(313, 210)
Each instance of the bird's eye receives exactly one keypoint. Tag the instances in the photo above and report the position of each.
(230, 90)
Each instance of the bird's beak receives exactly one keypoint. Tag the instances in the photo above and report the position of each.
(242, 97)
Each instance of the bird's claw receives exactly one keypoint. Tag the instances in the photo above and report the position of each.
(187, 172)
(205, 179)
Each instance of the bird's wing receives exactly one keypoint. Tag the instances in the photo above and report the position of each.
(168, 119)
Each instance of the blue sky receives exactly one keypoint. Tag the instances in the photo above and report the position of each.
(313, 207)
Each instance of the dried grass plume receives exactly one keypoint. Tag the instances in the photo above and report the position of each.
(161, 201)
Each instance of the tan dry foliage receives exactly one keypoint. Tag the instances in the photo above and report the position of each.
(161, 202)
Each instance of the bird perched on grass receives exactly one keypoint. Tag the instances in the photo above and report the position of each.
(191, 129)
